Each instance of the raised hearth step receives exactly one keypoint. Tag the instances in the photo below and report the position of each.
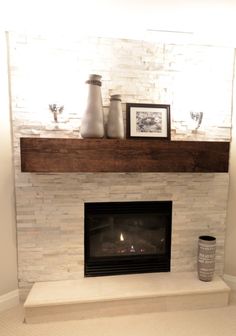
(122, 294)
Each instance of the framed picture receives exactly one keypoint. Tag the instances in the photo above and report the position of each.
(148, 121)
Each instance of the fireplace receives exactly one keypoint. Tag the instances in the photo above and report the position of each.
(127, 237)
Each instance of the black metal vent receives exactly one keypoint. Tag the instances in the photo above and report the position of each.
(127, 237)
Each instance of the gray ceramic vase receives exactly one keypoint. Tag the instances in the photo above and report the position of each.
(115, 123)
(206, 257)
(92, 123)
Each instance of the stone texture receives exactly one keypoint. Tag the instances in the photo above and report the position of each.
(50, 242)
(50, 207)
(188, 77)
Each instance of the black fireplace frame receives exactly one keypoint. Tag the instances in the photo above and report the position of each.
(116, 265)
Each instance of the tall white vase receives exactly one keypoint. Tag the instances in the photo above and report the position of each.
(115, 123)
(92, 124)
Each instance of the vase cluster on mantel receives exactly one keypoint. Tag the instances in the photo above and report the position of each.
(92, 123)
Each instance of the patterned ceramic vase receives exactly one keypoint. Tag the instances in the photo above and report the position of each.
(115, 123)
(206, 257)
(92, 124)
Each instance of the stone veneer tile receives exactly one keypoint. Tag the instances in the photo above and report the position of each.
(168, 73)
(50, 207)
(51, 248)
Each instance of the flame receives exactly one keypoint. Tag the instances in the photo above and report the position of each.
(121, 237)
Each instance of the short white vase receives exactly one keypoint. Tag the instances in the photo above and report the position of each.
(115, 123)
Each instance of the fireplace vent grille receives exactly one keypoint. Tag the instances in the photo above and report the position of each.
(126, 267)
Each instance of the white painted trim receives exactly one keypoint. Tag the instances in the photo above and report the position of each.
(230, 280)
(9, 300)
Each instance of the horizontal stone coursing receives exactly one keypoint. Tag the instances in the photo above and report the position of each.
(188, 77)
(50, 207)
(51, 211)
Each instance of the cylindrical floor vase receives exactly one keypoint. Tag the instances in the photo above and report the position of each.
(206, 257)
(92, 123)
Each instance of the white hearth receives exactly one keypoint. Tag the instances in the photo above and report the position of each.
(122, 295)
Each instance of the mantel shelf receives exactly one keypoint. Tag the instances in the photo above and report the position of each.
(57, 155)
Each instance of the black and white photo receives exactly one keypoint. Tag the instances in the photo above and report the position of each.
(148, 121)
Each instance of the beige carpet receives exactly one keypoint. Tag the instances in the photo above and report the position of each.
(207, 322)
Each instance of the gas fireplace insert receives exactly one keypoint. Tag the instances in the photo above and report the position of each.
(127, 237)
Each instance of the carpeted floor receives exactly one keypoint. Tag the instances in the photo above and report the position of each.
(207, 322)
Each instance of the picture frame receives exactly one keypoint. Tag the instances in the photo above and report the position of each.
(149, 121)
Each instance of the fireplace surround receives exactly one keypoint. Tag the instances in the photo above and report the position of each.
(127, 237)
(50, 206)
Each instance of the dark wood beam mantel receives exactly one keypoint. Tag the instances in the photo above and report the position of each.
(57, 155)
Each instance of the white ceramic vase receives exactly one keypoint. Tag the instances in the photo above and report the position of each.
(115, 123)
(92, 123)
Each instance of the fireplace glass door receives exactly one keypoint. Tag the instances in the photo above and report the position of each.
(127, 237)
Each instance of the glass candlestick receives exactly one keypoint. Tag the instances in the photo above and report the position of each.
(56, 110)
(197, 118)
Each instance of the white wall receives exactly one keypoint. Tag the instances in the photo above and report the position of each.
(230, 251)
(8, 262)
(124, 17)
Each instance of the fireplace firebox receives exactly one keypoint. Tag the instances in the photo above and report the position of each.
(127, 237)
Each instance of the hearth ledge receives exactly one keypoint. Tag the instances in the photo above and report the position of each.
(122, 295)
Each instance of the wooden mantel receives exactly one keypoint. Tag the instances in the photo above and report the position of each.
(57, 155)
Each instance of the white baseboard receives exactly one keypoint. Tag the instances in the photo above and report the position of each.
(9, 300)
(230, 280)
